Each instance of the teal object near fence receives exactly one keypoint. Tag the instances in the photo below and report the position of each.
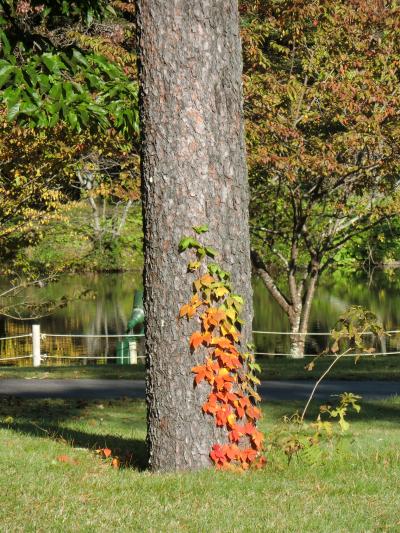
(127, 348)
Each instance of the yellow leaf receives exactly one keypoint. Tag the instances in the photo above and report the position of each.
(231, 419)
(221, 291)
(231, 313)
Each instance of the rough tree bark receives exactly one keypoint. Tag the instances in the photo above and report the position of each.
(193, 173)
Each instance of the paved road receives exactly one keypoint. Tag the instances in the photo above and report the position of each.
(270, 390)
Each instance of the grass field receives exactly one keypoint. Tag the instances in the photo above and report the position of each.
(353, 488)
(277, 368)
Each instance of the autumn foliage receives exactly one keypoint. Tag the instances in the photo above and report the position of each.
(228, 371)
(322, 100)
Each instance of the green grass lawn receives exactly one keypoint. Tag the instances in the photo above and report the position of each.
(75, 372)
(353, 488)
(276, 368)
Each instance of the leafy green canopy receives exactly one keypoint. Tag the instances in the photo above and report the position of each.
(54, 66)
(322, 105)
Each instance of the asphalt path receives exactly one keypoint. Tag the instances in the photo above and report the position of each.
(106, 389)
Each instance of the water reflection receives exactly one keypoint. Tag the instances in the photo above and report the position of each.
(333, 297)
(107, 310)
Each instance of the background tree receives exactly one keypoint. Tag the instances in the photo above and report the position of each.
(107, 176)
(68, 102)
(194, 173)
(68, 95)
(322, 109)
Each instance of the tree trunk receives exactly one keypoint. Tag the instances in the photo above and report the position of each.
(297, 345)
(193, 173)
(300, 317)
(297, 340)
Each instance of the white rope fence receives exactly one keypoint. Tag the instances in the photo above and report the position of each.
(81, 335)
(132, 356)
(128, 350)
(16, 337)
(274, 354)
(312, 333)
(101, 357)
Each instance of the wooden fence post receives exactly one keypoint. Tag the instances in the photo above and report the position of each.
(133, 352)
(36, 345)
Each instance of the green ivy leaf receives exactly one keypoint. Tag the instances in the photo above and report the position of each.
(210, 251)
(200, 229)
(188, 242)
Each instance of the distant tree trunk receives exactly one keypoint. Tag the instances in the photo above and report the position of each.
(300, 318)
(298, 306)
(193, 173)
(297, 340)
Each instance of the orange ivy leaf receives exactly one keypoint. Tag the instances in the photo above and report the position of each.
(207, 338)
(188, 310)
(253, 412)
(235, 434)
(206, 280)
(221, 415)
(260, 463)
(239, 411)
(223, 380)
(228, 359)
(211, 405)
(257, 438)
(217, 454)
(107, 452)
(225, 397)
(195, 301)
(248, 429)
(201, 373)
(196, 340)
(212, 317)
(206, 371)
(115, 463)
(224, 343)
(248, 454)
(63, 458)
(241, 405)
(231, 452)
(244, 402)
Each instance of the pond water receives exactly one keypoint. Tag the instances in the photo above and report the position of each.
(106, 308)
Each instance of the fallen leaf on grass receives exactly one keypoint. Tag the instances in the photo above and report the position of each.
(67, 459)
(106, 452)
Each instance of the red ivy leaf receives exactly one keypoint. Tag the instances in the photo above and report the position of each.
(253, 412)
(196, 340)
(235, 434)
(257, 438)
(217, 454)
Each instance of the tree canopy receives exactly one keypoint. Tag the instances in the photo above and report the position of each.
(68, 105)
(67, 61)
(323, 134)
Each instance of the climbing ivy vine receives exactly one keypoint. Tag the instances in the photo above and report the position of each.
(229, 371)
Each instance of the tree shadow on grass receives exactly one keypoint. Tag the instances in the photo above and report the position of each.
(387, 410)
(46, 419)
